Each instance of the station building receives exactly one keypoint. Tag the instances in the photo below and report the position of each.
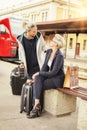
(51, 10)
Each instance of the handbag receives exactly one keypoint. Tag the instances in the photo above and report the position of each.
(71, 78)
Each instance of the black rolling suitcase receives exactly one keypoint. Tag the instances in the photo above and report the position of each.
(17, 79)
(26, 98)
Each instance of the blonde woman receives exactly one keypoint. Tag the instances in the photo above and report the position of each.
(51, 75)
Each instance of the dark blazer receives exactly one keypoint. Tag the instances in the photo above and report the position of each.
(56, 72)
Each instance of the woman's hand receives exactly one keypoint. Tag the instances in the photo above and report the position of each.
(29, 81)
(34, 75)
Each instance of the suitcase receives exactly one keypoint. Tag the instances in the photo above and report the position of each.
(17, 79)
(26, 98)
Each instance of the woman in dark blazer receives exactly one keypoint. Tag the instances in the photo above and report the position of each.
(51, 75)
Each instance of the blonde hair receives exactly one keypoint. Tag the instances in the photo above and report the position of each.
(59, 40)
(28, 25)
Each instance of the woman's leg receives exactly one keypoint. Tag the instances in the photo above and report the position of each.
(37, 90)
(38, 86)
(48, 84)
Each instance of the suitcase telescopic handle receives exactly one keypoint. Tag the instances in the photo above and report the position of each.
(19, 70)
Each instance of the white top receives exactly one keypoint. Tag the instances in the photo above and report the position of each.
(49, 63)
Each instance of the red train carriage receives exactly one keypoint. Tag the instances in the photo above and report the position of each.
(10, 28)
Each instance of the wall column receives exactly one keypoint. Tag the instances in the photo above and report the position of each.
(53, 11)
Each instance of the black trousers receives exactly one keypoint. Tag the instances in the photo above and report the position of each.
(40, 85)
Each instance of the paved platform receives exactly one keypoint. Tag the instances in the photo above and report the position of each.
(11, 119)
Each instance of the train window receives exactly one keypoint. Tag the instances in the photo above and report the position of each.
(2, 29)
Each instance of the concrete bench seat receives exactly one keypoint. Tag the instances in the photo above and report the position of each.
(62, 100)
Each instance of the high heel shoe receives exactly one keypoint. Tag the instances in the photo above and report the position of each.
(36, 112)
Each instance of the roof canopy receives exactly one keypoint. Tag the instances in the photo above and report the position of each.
(64, 26)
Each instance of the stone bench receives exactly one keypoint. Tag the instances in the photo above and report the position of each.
(58, 103)
(62, 100)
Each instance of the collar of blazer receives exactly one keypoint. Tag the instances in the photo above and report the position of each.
(57, 52)
(50, 50)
